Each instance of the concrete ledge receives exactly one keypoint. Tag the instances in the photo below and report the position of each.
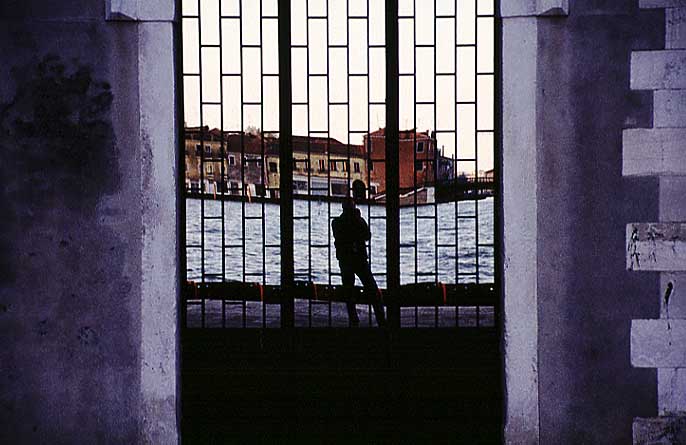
(658, 343)
(668, 430)
(661, 3)
(671, 390)
(140, 10)
(657, 247)
(676, 28)
(669, 108)
(656, 70)
(649, 152)
(533, 8)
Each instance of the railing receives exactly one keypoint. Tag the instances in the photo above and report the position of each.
(239, 304)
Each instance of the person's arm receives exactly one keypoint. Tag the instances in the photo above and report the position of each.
(364, 229)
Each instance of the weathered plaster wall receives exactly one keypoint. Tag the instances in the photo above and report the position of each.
(70, 232)
(588, 390)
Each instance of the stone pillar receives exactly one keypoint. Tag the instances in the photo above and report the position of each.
(661, 246)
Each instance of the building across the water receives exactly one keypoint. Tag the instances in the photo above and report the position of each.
(247, 163)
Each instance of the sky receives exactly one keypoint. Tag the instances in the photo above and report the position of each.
(351, 114)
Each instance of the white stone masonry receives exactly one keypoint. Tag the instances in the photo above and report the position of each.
(661, 246)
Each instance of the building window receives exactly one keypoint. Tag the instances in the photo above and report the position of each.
(338, 189)
(418, 166)
(232, 160)
(420, 147)
(209, 169)
(208, 150)
(332, 166)
(356, 167)
(371, 166)
(322, 165)
(345, 166)
(198, 149)
(273, 167)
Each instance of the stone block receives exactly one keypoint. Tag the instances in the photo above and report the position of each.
(676, 28)
(649, 152)
(658, 343)
(671, 390)
(672, 193)
(657, 70)
(675, 307)
(667, 430)
(661, 3)
(669, 108)
(659, 247)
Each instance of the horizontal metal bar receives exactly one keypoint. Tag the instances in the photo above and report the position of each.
(465, 45)
(426, 216)
(210, 45)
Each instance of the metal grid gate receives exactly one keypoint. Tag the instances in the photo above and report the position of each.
(285, 113)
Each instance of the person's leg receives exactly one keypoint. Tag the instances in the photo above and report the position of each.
(348, 279)
(364, 271)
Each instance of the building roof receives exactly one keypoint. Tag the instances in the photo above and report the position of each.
(252, 143)
(409, 134)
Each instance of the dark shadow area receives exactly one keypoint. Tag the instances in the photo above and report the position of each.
(341, 386)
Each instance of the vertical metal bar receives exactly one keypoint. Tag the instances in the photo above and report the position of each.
(181, 165)
(351, 165)
(309, 151)
(454, 179)
(392, 165)
(222, 149)
(347, 77)
(263, 170)
(476, 135)
(328, 139)
(497, 176)
(434, 141)
(202, 168)
(286, 163)
(414, 154)
(243, 161)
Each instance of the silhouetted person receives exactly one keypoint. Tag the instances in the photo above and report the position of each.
(351, 233)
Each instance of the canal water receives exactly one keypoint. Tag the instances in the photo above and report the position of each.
(430, 247)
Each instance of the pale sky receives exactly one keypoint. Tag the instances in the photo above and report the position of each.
(357, 90)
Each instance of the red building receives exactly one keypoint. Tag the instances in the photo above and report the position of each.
(417, 158)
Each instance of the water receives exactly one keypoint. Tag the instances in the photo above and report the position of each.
(420, 259)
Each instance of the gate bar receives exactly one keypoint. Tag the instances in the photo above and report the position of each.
(286, 165)
(392, 166)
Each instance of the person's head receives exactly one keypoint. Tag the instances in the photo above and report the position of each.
(348, 204)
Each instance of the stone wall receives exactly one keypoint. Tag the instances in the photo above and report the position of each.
(660, 246)
(77, 233)
(588, 391)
